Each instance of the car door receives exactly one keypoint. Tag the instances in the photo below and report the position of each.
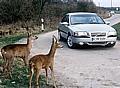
(63, 27)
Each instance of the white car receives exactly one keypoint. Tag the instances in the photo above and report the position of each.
(86, 29)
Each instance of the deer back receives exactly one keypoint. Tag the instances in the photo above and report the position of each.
(15, 50)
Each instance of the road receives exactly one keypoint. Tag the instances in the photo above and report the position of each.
(83, 68)
(114, 19)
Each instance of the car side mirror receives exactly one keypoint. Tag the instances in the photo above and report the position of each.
(65, 23)
(107, 22)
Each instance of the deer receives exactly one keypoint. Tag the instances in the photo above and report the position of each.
(9, 52)
(43, 61)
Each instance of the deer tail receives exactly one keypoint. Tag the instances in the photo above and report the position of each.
(2, 53)
(31, 66)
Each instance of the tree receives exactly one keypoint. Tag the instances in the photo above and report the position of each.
(12, 11)
(86, 7)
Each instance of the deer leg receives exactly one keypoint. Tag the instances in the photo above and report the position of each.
(31, 75)
(5, 69)
(4, 58)
(25, 59)
(46, 70)
(53, 77)
(5, 64)
(10, 63)
(37, 76)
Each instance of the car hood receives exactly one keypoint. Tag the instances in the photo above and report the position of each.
(91, 27)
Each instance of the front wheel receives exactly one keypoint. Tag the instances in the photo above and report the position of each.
(70, 42)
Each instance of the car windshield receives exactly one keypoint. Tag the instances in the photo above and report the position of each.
(86, 19)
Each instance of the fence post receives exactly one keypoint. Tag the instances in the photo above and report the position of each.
(42, 24)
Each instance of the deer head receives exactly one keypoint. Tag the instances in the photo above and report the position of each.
(56, 42)
(31, 37)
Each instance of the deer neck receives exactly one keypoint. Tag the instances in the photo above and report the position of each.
(29, 44)
(52, 51)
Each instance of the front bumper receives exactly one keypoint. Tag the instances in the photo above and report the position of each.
(94, 40)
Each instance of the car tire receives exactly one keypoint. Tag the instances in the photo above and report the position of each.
(110, 45)
(59, 36)
(70, 42)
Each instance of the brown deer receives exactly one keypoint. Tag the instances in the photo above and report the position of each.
(9, 52)
(41, 61)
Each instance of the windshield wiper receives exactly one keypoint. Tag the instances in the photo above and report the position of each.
(94, 23)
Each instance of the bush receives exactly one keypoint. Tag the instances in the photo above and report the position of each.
(12, 11)
(15, 10)
(86, 7)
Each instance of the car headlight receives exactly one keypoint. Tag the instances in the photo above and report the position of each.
(81, 33)
(112, 34)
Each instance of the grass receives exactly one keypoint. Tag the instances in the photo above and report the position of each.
(10, 39)
(117, 27)
(19, 77)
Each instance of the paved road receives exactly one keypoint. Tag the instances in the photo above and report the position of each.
(83, 68)
(114, 19)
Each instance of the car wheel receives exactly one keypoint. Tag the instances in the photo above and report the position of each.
(70, 42)
(110, 45)
(59, 36)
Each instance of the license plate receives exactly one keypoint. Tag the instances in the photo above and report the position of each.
(98, 39)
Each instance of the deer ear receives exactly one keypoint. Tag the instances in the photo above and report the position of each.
(54, 37)
(28, 33)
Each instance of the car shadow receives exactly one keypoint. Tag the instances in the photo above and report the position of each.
(86, 47)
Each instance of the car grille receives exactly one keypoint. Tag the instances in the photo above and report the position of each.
(98, 34)
(97, 43)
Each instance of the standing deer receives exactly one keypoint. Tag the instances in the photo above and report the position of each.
(9, 52)
(41, 61)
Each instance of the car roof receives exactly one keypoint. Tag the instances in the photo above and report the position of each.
(81, 13)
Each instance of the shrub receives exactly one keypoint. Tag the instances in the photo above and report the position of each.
(86, 7)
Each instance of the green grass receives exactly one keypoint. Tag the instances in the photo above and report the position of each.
(117, 27)
(20, 77)
(10, 39)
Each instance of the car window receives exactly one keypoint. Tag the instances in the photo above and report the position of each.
(86, 19)
(65, 19)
